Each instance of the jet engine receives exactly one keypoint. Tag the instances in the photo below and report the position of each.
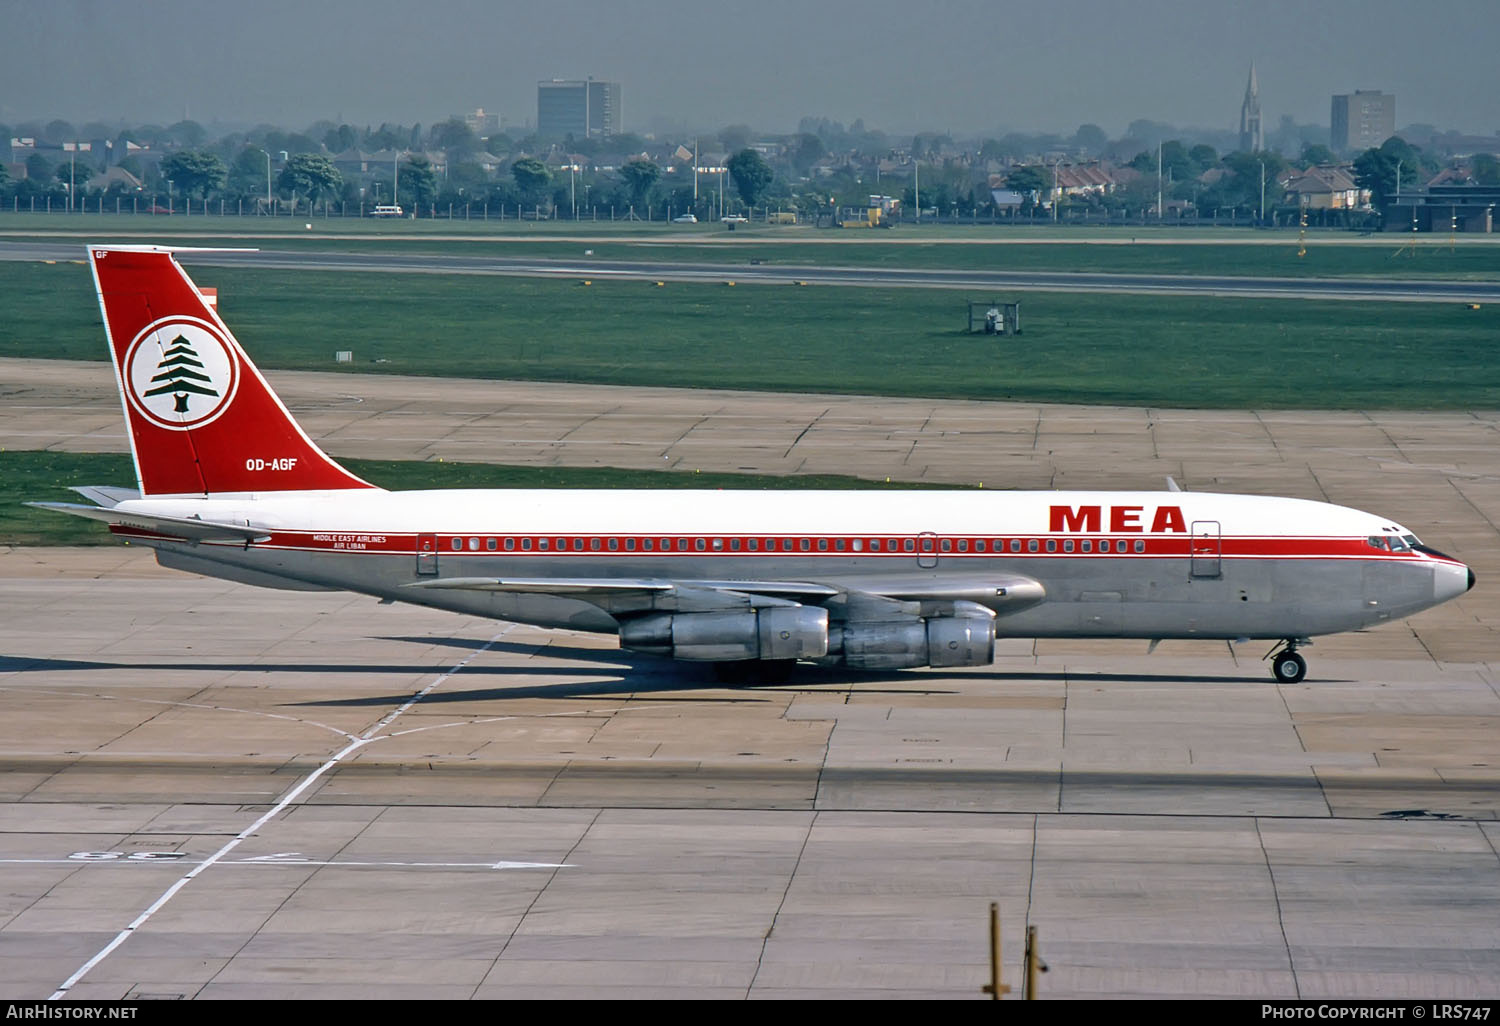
(964, 639)
(771, 632)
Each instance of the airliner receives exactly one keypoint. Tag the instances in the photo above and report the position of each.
(228, 485)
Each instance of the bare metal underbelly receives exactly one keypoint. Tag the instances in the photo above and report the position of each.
(1097, 596)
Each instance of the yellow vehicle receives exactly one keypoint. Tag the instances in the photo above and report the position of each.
(880, 212)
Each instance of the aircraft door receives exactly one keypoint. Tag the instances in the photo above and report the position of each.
(1207, 549)
(927, 550)
(427, 554)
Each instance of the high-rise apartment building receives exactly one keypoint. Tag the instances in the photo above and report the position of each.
(1362, 119)
(582, 109)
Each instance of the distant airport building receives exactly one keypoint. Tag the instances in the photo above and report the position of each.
(482, 124)
(1363, 119)
(1252, 140)
(584, 110)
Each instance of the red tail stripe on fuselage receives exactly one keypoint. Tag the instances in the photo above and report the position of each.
(202, 419)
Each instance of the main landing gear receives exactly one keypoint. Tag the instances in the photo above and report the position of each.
(1286, 665)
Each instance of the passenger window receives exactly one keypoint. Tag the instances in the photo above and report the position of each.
(718, 545)
(1086, 546)
(1031, 545)
(629, 544)
(647, 544)
(1140, 545)
(822, 544)
(753, 544)
(614, 544)
(804, 544)
(698, 544)
(963, 545)
(786, 545)
(734, 544)
(1068, 545)
(578, 544)
(510, 544)
(839, 544)
(1051, 545)
(1015, 545)
(874, 544)
(909, 546)
(526, 544)
(682, 544)
(858, 544)
(979, 545)
(541, 544)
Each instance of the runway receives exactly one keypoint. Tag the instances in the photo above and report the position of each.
(1353, 289)
(324, 797)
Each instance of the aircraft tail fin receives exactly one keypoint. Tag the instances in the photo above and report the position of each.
(202, 420)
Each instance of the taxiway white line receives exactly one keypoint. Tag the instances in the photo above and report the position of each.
(291, 797)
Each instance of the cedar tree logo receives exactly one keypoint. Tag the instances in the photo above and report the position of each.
(180, 373)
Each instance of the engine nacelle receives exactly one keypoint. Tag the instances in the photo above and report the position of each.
(897, 645)
(772, 632)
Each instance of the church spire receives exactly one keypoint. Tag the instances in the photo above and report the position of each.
(1251, 137)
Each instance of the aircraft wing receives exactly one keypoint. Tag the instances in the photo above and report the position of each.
(182, 528)
(896, 594)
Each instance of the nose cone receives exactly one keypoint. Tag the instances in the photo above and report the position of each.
(1450, 580)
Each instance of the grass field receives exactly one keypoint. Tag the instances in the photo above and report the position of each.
(1125, 350)
(1117, 250)
(30, 476)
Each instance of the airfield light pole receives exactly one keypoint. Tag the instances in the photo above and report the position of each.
(916, 185)
(73, 148)
(573, 188)
(1261, 215)
(268, 183)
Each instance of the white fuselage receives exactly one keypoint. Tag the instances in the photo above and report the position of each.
(1131, 564)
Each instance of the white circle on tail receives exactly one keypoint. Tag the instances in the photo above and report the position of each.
(181, 373)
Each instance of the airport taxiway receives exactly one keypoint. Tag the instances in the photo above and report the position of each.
(553, 818)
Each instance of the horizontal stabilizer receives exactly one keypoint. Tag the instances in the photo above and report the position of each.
(184, 528)
(108, 496)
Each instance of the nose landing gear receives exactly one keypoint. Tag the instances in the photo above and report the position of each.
(1286, 665)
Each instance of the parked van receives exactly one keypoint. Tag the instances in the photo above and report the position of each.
(387, 210)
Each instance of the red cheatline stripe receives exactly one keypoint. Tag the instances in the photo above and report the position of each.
(884, 546)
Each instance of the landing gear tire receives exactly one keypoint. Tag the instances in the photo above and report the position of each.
(1288, 667)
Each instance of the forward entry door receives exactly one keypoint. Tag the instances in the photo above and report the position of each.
(1207, 549)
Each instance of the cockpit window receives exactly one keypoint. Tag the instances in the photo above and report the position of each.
(1397, 543)
(1411, 540)
(1375, 542)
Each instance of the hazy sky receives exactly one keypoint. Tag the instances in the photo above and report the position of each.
(965, 66)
